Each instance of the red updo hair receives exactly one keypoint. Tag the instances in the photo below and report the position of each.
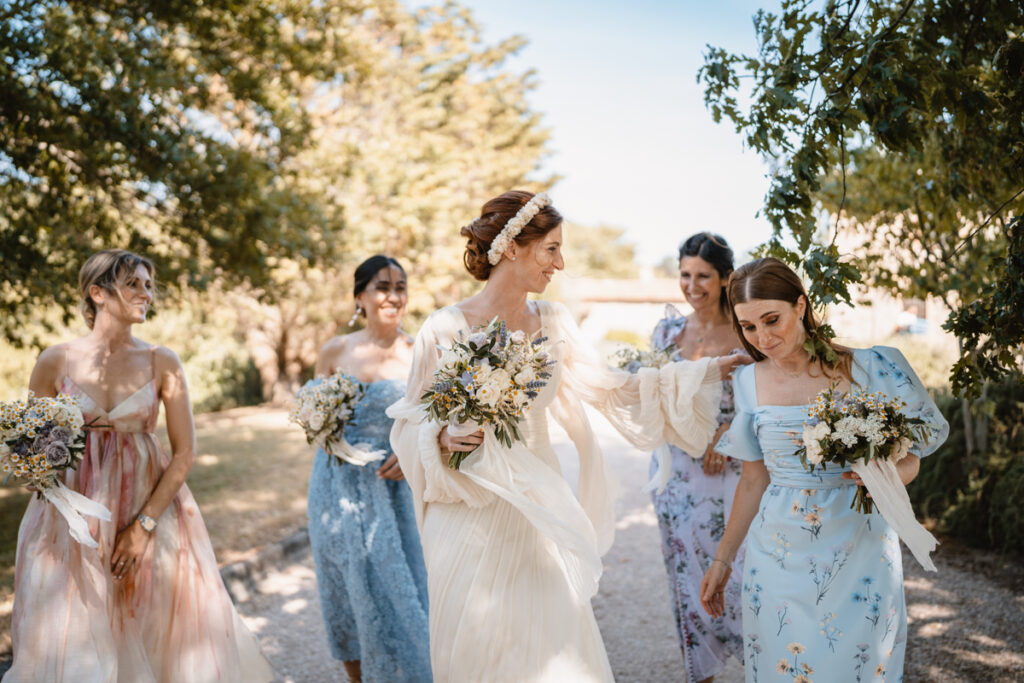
(494, 215)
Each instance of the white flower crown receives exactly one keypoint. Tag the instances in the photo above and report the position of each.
(515, 226)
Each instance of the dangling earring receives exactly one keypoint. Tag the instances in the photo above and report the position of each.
(355, 316)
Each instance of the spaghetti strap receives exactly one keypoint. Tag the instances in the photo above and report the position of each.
(152, 363)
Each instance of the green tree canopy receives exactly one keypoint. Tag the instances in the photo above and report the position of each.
(903, 119)
(157, 126)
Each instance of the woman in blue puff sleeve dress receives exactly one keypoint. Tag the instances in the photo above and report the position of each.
(823, 583)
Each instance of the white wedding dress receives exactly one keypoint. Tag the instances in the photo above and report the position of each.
(513, 558)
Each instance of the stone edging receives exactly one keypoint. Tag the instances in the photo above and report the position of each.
(240, 578)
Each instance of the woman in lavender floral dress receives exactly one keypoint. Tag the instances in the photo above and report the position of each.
(693, 507)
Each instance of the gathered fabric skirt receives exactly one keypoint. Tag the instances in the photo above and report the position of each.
(172, 621)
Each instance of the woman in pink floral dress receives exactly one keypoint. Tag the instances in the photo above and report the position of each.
(148, 605)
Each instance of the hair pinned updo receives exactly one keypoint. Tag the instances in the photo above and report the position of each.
(494, 215)
(110, 270)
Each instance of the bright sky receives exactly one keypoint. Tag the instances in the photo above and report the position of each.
(630, 134)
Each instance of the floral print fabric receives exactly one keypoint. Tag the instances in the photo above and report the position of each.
(692, 513)
(823, 584)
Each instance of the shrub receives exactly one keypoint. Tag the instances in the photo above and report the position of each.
(981, 501)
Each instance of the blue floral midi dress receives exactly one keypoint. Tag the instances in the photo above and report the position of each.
(369, 562)
(823, 584)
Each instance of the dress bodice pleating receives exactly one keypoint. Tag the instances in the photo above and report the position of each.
(136, 414)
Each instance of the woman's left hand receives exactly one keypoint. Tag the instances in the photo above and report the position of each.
(856, 480)
(129, 547)
(714, 462)
(391, 469)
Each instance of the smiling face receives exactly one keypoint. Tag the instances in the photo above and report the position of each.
(773, 326)
(700, 283)
(385, 296)
(130, 301)
(535, 264)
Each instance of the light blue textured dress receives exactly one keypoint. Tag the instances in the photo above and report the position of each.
(692, 511)
(823, 584)
(369, 562)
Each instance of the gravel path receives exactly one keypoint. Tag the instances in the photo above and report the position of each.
(963, 626)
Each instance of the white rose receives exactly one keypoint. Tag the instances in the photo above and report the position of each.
(525, 376)
(814, 455)
(449, 359)
(816, 433)
(500, 378)
(316, 421)
(477, 339)
(488, 394)
(518, 337)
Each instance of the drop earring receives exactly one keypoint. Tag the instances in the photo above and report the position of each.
(355, 316)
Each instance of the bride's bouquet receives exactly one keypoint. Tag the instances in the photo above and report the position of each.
(40, 438)
(323, 408)
(857, 428)
(487, 378)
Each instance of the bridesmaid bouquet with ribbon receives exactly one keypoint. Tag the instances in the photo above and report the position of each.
(487, 378)
(323, 408)
(870, 433)
(40, 438)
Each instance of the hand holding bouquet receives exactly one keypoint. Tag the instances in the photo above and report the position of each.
(870, 433)
(323, 408)
(40, 438)
(857, 427)
(488, 378)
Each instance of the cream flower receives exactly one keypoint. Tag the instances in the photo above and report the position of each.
(525, 376)
(796, 648)
(488, 394)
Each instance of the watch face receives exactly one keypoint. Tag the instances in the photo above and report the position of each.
(148, 523)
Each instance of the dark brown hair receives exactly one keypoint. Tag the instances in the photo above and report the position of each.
(716, 251)
(493, 216)
(109, 270)
(770, 278)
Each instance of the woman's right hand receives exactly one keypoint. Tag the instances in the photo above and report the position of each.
(712, 587)
(726, 364)
(461, 444)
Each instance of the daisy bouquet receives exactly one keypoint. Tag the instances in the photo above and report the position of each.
(323, 408)
(488, 377)
(857, 429)
(40, 438)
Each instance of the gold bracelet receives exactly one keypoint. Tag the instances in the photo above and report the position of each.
(722, 561)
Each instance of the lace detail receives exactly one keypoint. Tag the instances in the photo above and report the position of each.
(369, 564)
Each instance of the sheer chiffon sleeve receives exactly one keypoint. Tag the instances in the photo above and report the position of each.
(677, 404)
(414, 437)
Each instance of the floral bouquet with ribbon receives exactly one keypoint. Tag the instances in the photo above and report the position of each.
(870, 433)
(323, 408)
(40, 438)
(487, 378)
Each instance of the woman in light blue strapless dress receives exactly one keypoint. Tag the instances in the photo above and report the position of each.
(362, 526)
(823, 583)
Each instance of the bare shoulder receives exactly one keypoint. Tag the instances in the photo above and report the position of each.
(51, 359)
(165, 360)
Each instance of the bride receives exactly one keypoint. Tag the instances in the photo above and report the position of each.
(513, 557)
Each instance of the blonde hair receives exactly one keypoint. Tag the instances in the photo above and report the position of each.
(110, 270)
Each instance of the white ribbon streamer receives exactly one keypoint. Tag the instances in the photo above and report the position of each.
(890, 496)
(663, 457)
(355, 454)
(72, 505)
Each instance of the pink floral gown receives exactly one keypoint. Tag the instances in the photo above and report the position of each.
(173, 622)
